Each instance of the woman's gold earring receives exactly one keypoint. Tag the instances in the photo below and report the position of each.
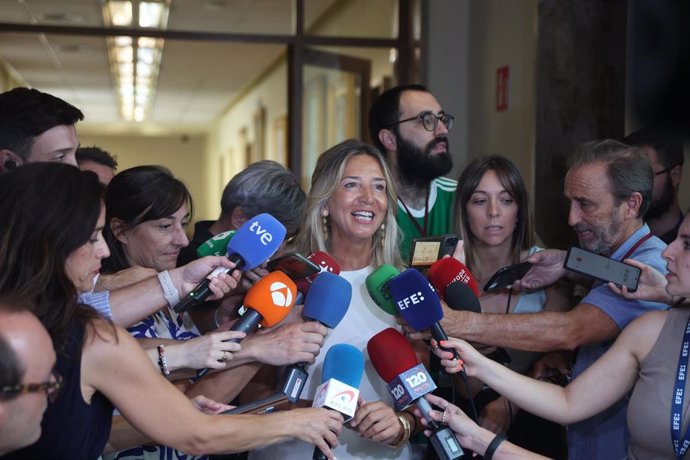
(324, 223)
(383, 234)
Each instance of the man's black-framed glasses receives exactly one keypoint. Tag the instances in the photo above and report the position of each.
(665, 170)
(50, 388)
(430, 120)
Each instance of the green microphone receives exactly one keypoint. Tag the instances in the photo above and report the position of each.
(377, 285)
(216, 246)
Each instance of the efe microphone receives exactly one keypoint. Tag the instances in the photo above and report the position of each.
(408, 381)
(327, 302)
(343, 367)
(253, 243)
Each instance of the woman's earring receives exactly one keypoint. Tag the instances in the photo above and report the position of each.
(324, 223)
(383, 234)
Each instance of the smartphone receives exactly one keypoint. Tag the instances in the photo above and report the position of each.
(427, 250)
(294, 265)
(602, 268)
(506, 276)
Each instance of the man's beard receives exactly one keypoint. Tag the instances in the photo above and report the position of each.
(419, 167)
(605, 236)
(662, 203)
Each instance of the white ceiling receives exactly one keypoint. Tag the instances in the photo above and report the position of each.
(197, 79)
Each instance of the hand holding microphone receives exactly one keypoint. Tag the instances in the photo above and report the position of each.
(342, 371)
(253, 243)
(408, 381)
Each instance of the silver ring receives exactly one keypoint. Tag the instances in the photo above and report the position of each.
(225, 356)
(445, 406)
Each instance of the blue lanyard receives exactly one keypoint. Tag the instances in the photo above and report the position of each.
(678, 396)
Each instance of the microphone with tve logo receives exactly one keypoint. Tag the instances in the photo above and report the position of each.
(408, 381)
(253, 243)
(342, 372)
(327, 302)
(447, 271)
(267, 303)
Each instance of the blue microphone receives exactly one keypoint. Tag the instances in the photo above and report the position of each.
(327, 302)
(418, 303)
(341, 375)
(253, 243)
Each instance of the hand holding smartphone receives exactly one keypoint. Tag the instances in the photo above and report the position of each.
(602, 268)
(506, 276)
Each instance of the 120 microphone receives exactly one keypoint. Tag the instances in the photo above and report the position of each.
(408, 381)
(253, 243)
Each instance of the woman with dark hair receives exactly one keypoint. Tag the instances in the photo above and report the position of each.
(493, 218)
(351, 215)
(647, 364)
(51, 247)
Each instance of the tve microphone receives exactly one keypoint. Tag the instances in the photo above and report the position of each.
(418, 303)
(216, 245)
(327, 302)
(267, 302)
(448, 270)
(327, 264)
(342, 372)
(253, 243)
(379, 291)
(461, 297)
(408, 381)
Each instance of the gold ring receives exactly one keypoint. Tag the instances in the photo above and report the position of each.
(443, 417)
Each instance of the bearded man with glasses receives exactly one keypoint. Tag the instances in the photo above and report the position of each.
(27, 378)
(665, 152)
(410, 127)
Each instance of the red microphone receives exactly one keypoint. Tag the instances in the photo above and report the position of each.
(449, 270)
(326, 263)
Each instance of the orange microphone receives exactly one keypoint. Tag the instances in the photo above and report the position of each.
(267, 303)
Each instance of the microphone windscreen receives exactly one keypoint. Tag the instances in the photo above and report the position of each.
(415, 299)
(272, 296)
(257, 240)
(449, 270)
(391, 354)
(379, 291)
(459, 296)
(344, 363)
(327, 264)
(328, 299)
(216, 246)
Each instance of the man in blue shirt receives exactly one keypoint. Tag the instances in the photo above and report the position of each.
(609, 187)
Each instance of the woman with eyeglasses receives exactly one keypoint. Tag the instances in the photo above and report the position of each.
(51, 247)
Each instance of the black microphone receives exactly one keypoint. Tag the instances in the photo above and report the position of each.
(253, 243)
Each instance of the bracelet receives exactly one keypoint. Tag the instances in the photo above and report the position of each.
(170, 292)
(406, 431)
(162, 362)
(500, 437)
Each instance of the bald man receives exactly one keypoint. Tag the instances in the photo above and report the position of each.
(27, 359)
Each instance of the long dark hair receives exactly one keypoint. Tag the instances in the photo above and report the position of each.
(511, 180)
(48, 211)
(138, 195)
